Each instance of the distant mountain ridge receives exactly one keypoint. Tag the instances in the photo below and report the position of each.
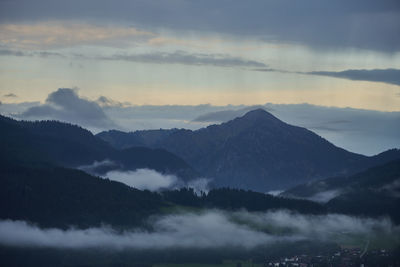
(257, 151)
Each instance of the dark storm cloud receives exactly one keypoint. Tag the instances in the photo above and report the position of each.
(66, 105)
(366, 24)
(181, 57)
(391, 76)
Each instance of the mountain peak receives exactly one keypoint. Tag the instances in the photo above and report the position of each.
(258, 114)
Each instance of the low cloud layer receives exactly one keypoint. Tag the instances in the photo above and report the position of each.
(143, 179)
(208, 229)
(325, 196)
(155, 181)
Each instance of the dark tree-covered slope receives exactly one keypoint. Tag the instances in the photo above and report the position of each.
(59, 197)
(72, 146)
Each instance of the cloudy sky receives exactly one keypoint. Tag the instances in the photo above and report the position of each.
(179, 52)
(336, 53)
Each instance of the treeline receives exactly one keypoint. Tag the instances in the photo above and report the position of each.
(59, 197)
(235, 199)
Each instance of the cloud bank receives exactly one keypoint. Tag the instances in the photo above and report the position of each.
(66, 105)
(205, 230)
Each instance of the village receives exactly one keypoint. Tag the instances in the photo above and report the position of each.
(346, 257)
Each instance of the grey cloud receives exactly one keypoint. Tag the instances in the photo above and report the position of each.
(19, 53)
(154, 181)
(65, 105)
(177, 57)
(147, 179)
(48, 54)
(325, 196)
(144, 179)
(365, 24)
(6, 52)
(10, 95)
(391, 76)
(11, 109)
(208, 230)
(108, 102)
(99, 167)
(205, 230)
(392, 189)
(181, 57)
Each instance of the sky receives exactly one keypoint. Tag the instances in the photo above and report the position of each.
(330, 54)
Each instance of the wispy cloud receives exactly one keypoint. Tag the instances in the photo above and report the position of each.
(177, 57)
(185, 58)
